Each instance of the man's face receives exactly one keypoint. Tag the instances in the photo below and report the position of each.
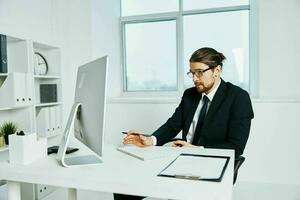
(205, 80)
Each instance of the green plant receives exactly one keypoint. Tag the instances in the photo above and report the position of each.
(7, 129)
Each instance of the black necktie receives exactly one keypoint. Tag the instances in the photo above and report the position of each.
(200, 120)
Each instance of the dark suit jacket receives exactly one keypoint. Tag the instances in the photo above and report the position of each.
(227, 122)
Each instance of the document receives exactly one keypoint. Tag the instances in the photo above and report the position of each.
(147, 153)
(197, 167)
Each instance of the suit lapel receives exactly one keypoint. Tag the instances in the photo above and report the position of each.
(217, 100)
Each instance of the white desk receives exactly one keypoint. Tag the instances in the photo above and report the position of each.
(120, 173)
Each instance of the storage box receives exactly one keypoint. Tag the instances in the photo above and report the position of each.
(26, 149)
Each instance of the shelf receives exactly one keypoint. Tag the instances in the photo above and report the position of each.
(13, 39)
(4, 148)
(3, 74)
(46, 77)
(38, 45)
(14, 108)
(47, 104)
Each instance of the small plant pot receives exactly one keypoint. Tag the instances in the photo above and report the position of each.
(2, 141)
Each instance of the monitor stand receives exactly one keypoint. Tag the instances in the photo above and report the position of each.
(81, 160)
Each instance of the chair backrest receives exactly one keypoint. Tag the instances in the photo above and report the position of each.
(237, 163)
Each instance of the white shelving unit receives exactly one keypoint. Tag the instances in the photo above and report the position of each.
(20, 100)
(48, 114)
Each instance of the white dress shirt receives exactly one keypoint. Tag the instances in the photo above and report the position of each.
(210, 96)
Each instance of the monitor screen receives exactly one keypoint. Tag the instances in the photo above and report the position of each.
(91, 94)
(88, 113)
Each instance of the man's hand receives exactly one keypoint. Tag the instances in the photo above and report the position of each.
(137, 138)
(181, 143)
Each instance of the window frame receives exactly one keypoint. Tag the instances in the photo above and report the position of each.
(178, 17)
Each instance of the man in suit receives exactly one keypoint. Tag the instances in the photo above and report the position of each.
(213, 114)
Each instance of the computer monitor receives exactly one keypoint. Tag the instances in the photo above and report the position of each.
(87, 114)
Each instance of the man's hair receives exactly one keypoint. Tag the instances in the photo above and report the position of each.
(208, 56)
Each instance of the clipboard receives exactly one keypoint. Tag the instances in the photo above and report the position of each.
(196, 167)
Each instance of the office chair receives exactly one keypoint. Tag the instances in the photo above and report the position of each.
(237, 164)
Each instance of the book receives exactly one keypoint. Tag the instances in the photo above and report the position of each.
(147, 153)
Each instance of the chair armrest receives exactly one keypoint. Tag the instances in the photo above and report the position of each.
(237, 164)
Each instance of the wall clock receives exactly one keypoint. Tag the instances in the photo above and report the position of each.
(40, 64)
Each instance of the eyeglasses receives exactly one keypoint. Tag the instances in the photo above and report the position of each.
(198, 73)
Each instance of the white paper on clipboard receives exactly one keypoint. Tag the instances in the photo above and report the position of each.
(197, 167)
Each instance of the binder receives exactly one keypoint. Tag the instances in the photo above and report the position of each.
(52, 118)
(196, 167)
(19, 89)
(3, 54)
(29, 89)
(43, 122)
(58, 119)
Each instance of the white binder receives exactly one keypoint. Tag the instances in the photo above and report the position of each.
(43, 122)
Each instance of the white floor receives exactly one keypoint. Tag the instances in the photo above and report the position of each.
(241, 191)
(265, 191)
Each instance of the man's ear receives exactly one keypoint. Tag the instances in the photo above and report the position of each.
(218, 70)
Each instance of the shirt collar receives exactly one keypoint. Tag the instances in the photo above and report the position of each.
(212, 93)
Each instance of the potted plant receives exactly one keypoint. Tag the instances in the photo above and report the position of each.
(7, 129)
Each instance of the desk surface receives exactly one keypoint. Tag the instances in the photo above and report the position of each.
(121, 173)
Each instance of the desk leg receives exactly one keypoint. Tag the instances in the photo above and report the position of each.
(72, 194)
(13, 190)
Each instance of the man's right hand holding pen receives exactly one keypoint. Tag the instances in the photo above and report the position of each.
(137, 138)
(142, 140)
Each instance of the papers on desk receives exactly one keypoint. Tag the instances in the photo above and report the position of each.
(197, 167)
(147, 153)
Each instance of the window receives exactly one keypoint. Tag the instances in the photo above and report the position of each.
(151, 65)
(228, 32)
(159, 38)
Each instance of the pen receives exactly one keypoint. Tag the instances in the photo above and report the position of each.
(124, 132)
(188, 177)
(175, 139)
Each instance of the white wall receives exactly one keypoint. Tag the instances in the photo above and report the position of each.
(272, 152)
(74, 20)
(32, 19)
(279, 30)
(88, 30)
(106, 40)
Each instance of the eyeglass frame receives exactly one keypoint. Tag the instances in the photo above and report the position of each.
(200, 72)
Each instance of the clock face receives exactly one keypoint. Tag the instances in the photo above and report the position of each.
(40, 64)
